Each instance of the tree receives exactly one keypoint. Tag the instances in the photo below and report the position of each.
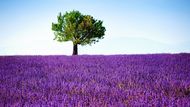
(78, 28)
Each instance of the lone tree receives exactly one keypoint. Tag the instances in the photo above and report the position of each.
(78, 28)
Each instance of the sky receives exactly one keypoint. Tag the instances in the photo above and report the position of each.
(132, 26)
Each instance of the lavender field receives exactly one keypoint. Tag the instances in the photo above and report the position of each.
(95, 81)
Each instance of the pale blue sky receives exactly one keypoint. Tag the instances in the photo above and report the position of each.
(132, 26)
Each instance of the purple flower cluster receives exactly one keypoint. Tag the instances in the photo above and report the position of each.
(96, 81)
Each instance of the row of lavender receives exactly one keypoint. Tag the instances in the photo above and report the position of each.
(118, 80)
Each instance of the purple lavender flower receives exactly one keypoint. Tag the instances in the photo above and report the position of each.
(117, 80)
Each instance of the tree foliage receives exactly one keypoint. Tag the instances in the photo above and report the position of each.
(78, 28)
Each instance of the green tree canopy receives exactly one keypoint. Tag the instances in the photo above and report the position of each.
(78, 28)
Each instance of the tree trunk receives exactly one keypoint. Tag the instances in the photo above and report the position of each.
(75, 49)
